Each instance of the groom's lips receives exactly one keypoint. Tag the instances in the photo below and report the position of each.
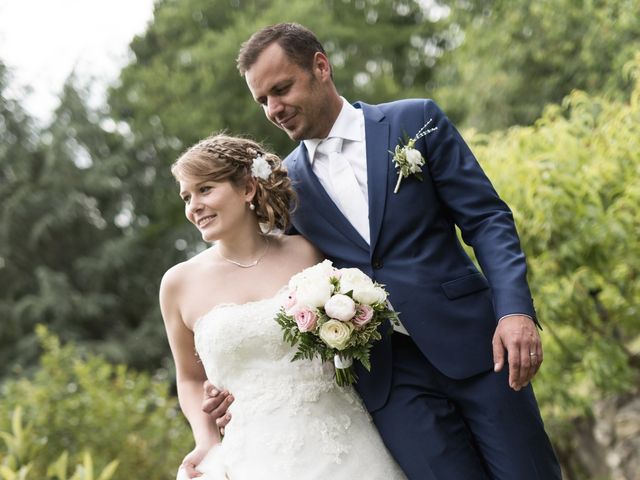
(283, 123)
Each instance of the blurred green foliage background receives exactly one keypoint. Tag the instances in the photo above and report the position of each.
(547, 93)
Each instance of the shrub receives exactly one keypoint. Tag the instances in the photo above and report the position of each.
(572, 183)
(79, 403)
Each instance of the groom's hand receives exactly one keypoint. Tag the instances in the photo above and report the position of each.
(216, 403)
(518, 335)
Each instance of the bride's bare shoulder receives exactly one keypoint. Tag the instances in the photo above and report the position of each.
(297, 245)
(180, 271)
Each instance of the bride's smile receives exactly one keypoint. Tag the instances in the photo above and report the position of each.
(204, 221)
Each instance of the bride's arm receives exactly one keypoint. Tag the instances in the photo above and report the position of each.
(190, 374)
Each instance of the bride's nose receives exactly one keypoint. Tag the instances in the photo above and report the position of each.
(194, 206)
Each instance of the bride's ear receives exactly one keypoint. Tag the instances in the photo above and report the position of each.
(250, 189)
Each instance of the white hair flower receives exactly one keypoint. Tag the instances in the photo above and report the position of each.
(261, 168)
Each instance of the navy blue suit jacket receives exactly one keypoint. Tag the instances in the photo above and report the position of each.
(448, 306)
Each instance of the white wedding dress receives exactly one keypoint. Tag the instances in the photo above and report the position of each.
(289, 419)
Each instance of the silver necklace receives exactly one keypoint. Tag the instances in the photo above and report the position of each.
(247, 265)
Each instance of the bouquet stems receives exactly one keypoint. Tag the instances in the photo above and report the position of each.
(345, 375)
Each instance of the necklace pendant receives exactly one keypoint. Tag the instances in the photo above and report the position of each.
(247, 265)
(242, 265)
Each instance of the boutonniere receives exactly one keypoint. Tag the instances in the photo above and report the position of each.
(407, 159)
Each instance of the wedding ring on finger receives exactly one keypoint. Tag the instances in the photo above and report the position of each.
(533, 354)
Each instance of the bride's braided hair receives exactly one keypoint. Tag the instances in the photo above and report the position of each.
(224, 158)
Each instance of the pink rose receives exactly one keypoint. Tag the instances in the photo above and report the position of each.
(290, 302)
(306, 320)
(364, 314)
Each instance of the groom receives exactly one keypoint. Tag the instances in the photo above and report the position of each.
(449, 391)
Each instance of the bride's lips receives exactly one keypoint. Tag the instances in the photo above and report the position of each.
(204, 221)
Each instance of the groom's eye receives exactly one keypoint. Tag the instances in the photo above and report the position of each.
(281, 89)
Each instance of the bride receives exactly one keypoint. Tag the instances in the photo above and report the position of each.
(291, 420)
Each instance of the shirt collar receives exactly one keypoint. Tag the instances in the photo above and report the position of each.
(347, 126)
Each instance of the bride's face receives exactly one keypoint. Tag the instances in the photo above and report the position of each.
(215, 208)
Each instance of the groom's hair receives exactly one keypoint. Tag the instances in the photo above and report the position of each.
(299, 44)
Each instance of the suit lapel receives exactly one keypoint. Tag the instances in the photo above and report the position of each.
(309, 187)
(378, 159)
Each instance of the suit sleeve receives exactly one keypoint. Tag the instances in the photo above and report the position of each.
(485, 221)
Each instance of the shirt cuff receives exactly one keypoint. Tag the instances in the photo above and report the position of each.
(518, 314)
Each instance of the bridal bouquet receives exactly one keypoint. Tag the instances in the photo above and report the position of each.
(334, 313)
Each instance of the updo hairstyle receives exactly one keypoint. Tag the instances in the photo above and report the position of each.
(222, 158)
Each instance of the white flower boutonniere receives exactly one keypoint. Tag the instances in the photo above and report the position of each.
(407, 159)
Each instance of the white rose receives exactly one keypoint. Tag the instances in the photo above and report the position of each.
(321, 272)
(363, 288)
(336, 334)
(313, 294)
(353, 279)
(340, 307)
(415, 160)
(370, 296)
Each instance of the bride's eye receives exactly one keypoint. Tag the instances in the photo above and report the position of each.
(186, 199)
(205, 188)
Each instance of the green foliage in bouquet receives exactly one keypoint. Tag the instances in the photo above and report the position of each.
(79, 412)
(310, 345)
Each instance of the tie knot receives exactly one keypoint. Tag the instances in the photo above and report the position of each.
(330, 145)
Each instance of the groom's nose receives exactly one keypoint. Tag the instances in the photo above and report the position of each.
(274, 107)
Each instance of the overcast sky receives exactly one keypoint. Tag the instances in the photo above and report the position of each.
(42, 41)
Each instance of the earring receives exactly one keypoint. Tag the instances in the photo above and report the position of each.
(251, 206)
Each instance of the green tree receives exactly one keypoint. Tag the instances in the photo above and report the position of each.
(517, 56)
(74, 252)
(19, 155)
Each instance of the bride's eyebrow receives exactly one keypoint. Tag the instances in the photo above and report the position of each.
(194, 187)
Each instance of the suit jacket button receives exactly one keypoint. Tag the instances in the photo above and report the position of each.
(377, 263)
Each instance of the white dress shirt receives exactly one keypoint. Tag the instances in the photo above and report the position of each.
(349, 126)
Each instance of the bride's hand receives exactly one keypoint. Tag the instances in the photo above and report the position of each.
(192, 459)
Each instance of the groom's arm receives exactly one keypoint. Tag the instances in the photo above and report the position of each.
(487, 224)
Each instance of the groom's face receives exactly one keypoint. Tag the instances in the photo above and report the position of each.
(293, 98)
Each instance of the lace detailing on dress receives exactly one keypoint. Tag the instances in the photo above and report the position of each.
(290, 419)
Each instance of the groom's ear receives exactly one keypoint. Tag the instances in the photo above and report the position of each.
(322, 66)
